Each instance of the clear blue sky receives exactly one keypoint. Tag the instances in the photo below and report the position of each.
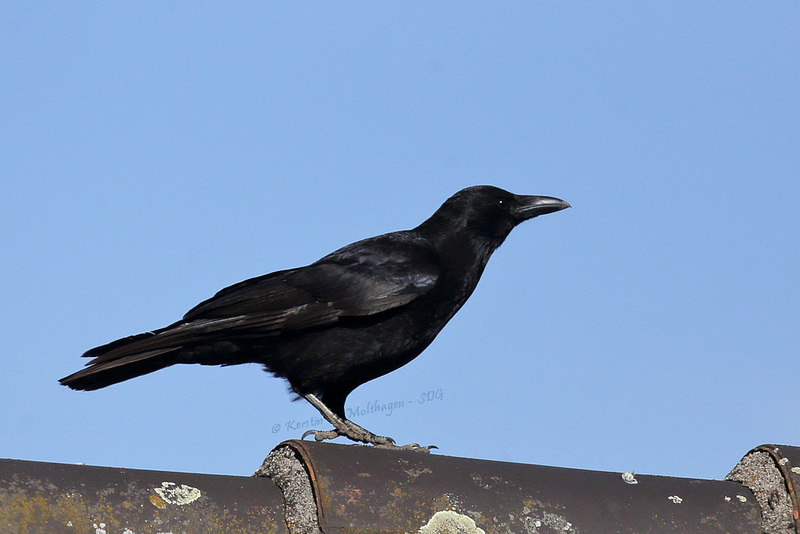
(154, 153)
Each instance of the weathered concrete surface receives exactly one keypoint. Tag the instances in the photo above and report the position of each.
(284, 467)
(772, 473)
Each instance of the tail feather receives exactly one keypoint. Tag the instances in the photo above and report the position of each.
(121, 360)
(105, 374)
(125, 343)
(141, 354)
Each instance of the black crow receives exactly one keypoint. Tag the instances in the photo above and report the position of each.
(356, 314)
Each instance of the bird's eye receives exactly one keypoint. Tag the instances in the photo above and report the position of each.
(501, 203)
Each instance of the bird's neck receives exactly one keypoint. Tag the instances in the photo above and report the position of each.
(464, 259)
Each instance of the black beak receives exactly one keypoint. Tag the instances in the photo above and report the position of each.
(531, 206)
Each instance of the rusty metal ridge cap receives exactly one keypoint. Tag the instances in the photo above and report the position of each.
(790, 476)
(307, 459)
(353, 486)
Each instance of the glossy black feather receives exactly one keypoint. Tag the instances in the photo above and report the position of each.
(356, 314)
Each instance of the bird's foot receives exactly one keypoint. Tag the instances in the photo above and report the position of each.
(345, 427)
(354, 432)
(409, 447)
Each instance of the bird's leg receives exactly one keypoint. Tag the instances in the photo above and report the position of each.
(342, 427)
(348, 429)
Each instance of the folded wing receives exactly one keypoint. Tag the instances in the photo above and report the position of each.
(365, 278)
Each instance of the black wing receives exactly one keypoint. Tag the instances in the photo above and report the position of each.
(364, 278)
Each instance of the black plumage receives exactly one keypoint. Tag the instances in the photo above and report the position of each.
(354, 315)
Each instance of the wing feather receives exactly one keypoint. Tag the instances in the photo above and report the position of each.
(365, 278)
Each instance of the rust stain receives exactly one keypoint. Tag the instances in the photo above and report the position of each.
(158, 502)
(353, 495)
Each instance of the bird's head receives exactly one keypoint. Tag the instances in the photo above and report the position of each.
(489, 213)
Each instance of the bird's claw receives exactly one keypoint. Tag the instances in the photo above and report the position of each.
(321, 435)
(383, 441)
(416, 447)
